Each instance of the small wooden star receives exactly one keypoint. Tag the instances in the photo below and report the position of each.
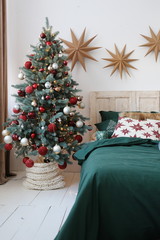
(77, 49)
(120, 61)
(153, 43)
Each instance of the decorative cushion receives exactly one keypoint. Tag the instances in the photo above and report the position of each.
(109, 115)
(107, 125)
(140, 115)
(128, 127)
(101, 135)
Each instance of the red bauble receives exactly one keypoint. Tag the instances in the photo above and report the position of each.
(71, 133)
(29, 163)
(52, 127)
(42, 109)
(41, 70)
(47, 97)
(32, 67)
(35, 85)
(42, 150)
(68, 84)
(28, 64)
(65, 63)
(34, 146)
(25, 159)
(31, 115)
(54, 42)
(32, 135)
(8, 146)
(61, 139)
(42, 35)
(29, 89)
(48, 43)
(53, 71)
(63, 166)
(71, 123)
(21, 93)
(15, 137)
(14, 122)
(23, 117)
(66, 73)
(16, 110)
(73, 100)
(78, 138)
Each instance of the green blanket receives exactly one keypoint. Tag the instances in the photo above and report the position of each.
(119, 192)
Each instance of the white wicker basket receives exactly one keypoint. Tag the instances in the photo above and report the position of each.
(43, 176)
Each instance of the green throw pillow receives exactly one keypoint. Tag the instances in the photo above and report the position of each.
(109, 115)
(108, 126)
(101, 135)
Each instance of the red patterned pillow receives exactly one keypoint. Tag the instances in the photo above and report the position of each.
(128, 127)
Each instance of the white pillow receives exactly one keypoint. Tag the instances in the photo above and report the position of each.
(128, 127)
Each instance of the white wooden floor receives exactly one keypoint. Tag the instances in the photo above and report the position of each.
(31, 214)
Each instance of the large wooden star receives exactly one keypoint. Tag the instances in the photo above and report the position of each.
(77, 49)
(120, 61)
(153, 43)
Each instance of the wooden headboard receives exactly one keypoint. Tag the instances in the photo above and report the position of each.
(120, 101)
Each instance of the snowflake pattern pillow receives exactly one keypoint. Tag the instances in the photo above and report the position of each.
(128, 127)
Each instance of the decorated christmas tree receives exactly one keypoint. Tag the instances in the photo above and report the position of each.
(45, 120)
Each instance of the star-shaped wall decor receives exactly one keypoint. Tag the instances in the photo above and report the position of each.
(77, 49)
(153, 43)
(120, 61)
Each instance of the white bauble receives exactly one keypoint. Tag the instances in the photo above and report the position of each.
(50, 67)
(81, 105)
(5, 132)
(47, 84)
(42, 97)
(21, 76)
(67, 110)
(34, 103)
(60, 54)
(55, 65)
(72, 114)
(7, 139)
(16, 106)
(42, 127)
(57, 149)
(79, 124)
(24, 141)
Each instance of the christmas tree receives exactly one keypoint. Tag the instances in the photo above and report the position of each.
(45, 119)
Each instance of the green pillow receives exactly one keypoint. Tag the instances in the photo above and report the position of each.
(108, 126)
(109, 115)
(101, 135)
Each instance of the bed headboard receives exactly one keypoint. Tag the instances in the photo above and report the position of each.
(120, 101)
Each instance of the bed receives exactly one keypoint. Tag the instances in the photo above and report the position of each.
(119, 190)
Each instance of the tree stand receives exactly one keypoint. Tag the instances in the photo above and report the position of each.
(43, 176)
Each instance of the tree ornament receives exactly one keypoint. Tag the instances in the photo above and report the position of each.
(42, 109)
(47, 97)
(42, 150)
(5, 132)
(47, 85)
(57, 149)
(8, 146)
(73, 100)
(78, 138)
(29, 89)
(65, 63)
(53, 72)
(79, 124)
(72, 114)
(48, 43)
(65, 73)
(42, 35)
(35, 85)
(24, 142)
(68, 84)
(23, 117)
(16, 110)
(31, 115)
(15, 137)
(81, 105)
(57, 89)
(21, 76)
(55, 66)
(33, 135)
(67, 110)
(28, 64)
(29, 163)
(77, 49)
(50, 67)
(34, 103)
(21, 93)
(7, 139)
(25, 159)
(90, 128)
(63, 166)
(42, 127)
(61, 139)
(42, 97)
(52, 127)
(71, 123)
(79, 98)
(46, 160)
(41, 70)
(14, 122)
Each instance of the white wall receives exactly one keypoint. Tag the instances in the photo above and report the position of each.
(115, 21)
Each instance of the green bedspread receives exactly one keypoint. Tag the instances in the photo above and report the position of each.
(119, 192)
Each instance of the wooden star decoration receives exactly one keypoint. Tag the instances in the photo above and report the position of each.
(153, 43)
(120, 61)
(77, 49)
